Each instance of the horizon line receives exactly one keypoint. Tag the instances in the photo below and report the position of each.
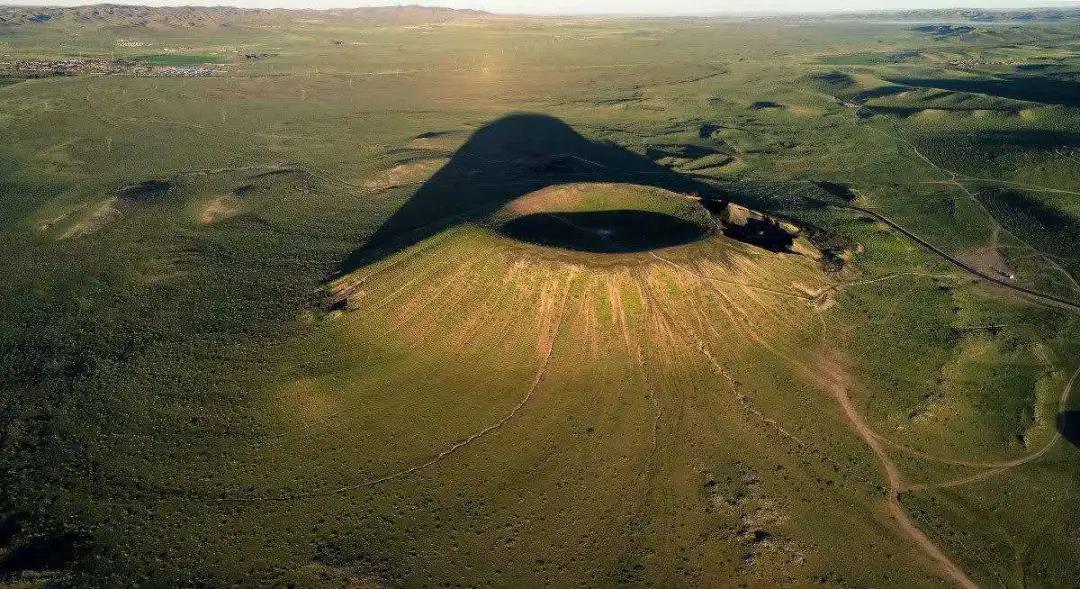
(822, 11)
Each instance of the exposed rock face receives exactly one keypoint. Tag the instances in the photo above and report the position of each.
(754, 227)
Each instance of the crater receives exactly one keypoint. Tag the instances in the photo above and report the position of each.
(605, 218)
(615, 231)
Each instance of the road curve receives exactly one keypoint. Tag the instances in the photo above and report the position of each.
(1041, 296)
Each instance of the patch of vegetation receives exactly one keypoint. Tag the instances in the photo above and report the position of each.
(1037, 220)
(145, 190)
(176, 59)
(832, 81)
(841, 191)
(946, 30)
(871, 58)
(878, 92)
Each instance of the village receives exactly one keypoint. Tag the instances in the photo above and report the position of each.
(73, 66)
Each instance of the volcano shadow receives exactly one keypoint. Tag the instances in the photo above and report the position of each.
(506, 159)
(1069, 426)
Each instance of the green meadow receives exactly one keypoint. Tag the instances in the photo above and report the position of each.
(437, 299)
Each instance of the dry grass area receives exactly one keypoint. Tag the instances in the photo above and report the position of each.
(99, 217)
(404, 174)
(222, 207)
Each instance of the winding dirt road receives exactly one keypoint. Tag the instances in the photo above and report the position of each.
(838, 384)
(994, 467)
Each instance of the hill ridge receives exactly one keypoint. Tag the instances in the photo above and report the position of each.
(210, 16)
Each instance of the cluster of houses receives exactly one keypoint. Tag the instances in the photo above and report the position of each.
(45, 68)
(976, 62)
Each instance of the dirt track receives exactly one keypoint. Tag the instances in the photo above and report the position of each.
(994, 467)
(838, 386)
(546, 345)
(837, 382)
(957, 180)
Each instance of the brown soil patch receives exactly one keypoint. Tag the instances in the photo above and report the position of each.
(404, 174)
(105, 212)
(222, 207)
(988, 259)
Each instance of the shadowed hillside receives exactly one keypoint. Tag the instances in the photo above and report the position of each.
(1042, 89)
(1069, 426)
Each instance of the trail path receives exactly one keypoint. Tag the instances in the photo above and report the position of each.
(548, 346)
(821, 294)
(838, 386)
(994, 466)
(837, 383)
(549, 338)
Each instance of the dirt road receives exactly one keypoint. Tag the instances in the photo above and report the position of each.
(838, 384)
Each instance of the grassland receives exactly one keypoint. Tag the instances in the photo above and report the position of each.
(386, 302)
(175, 59)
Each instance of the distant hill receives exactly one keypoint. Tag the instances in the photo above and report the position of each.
(113, 15)
(963, 15)
(219, 16)
(993, 15)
